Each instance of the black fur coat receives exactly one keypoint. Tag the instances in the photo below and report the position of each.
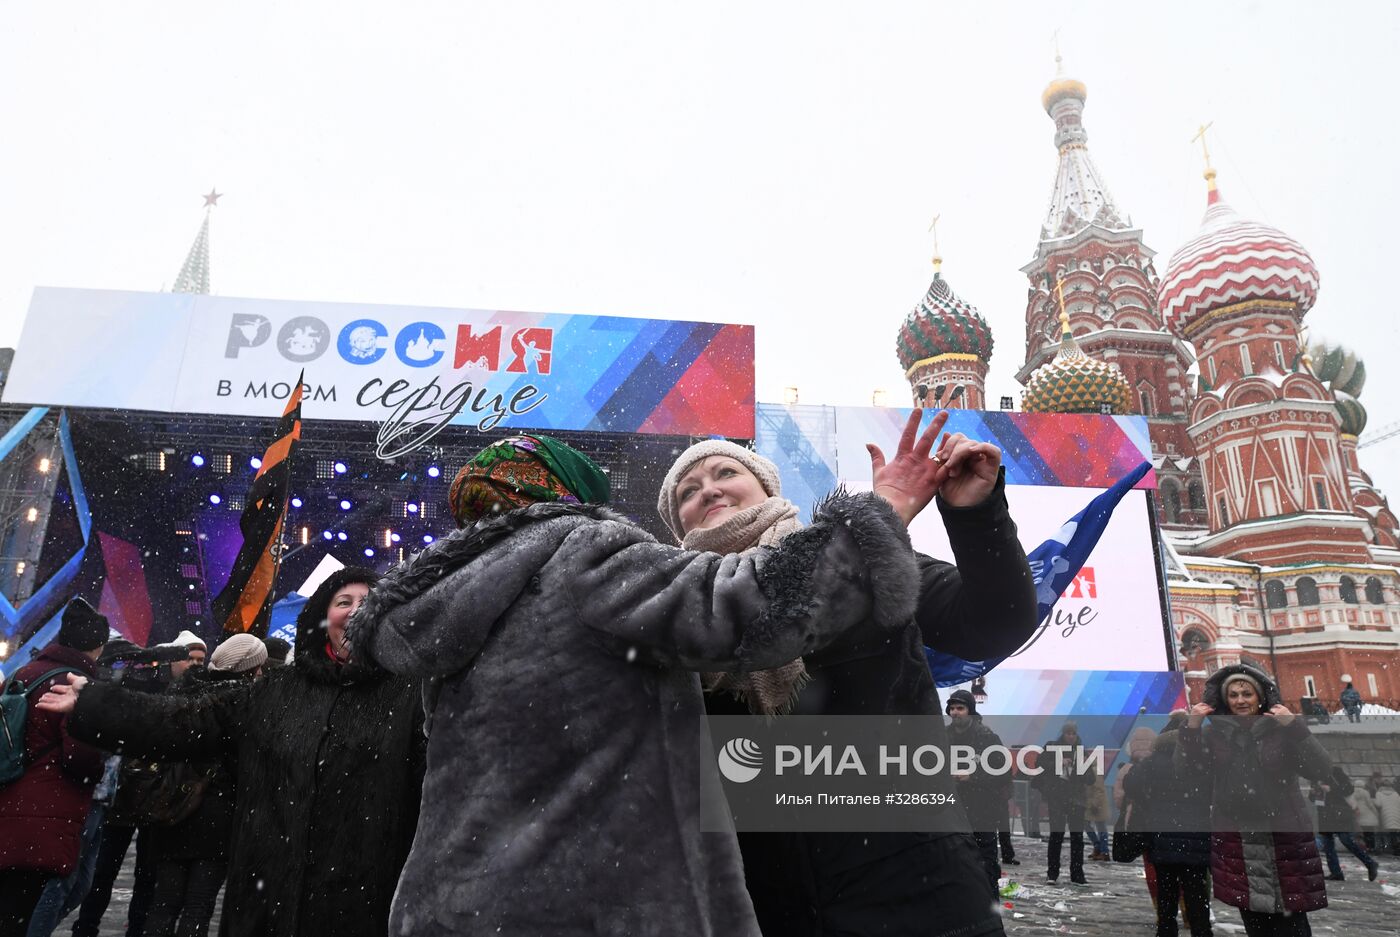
(329, 768)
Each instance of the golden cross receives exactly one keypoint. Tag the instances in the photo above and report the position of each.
(1055, 40)
(933, 226)
(1201, 135)
(1060, 292)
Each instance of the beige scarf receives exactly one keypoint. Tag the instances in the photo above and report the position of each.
(766, 692)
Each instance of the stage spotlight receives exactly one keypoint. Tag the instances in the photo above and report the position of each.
(388, 537)
(369, 551)
(427, 538)
(255, 462)
(340, 468)
(215, 499)
(434, 471)
(327, 535)
(345, 504)
(296, 502)
(394, 538)
(44, 465)
(411, 507)
(197, 460)
(341, 535)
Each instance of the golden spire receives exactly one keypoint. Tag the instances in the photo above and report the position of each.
(1205, 150)
(1060, 293)
(937, 257)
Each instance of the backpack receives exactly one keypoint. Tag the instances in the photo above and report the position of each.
(14, 714)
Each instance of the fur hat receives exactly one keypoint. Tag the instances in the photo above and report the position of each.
(764, 470)
(82, 629)
(239, 653)
(962, 696)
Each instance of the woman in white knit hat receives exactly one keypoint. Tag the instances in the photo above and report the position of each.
(721, 497)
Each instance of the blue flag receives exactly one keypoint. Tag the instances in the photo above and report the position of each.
(1054, 564)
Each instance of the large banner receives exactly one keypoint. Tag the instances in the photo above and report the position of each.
(1104, 649)
(415, 369)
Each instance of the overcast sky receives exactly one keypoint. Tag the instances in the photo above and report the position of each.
(761, 162)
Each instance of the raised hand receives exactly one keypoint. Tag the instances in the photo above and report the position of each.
(1282, 713)
(1198, 715)
(969, 470)
(62, 694)
(911, 479)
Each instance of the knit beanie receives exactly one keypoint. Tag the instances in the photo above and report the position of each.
(82, 628)
(1236, 678)
(186, 639)
(239, 653)
(763, 469)
(965, 697)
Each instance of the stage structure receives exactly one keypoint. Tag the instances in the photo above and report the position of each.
(168, 458)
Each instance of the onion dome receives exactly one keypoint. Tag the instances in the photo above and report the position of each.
(1338, 368)
(942, 324)
(1232, 260)
(1075, 383)
(1351, 411)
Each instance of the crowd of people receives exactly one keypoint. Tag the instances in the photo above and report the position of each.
(503, 734)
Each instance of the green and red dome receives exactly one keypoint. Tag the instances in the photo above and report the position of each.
(942, 324)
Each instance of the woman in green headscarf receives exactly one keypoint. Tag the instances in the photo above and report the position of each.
(566, 724)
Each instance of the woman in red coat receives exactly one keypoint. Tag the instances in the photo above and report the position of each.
(1263, 859)
(42, 813)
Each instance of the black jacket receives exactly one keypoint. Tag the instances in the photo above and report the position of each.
(329, 762)
(1336, 814)
(982, 607)
(1172, 805)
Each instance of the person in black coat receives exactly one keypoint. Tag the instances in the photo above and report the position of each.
(1066, 795)
(980, 606)
(1175, 809)
(193, 853)
(330, 759)
(1336, 819)
(983, 795)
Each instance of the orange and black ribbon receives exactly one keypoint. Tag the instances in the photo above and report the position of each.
(245, 602)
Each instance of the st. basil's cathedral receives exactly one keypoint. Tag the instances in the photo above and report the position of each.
(1280, 550)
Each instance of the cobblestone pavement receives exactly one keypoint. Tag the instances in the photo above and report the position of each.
(1114, 904)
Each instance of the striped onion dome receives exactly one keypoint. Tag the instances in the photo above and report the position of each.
(1232, 260)
(1075, 383)
(942, 324)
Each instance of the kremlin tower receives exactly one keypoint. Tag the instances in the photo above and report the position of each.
(944, 347)
(1091, 264)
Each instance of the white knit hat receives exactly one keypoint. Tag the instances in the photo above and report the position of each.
(187, 639)
(764, 470)
(239, 654)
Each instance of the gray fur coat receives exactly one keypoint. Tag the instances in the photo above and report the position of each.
(564, 753)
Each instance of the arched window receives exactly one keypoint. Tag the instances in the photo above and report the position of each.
(1193, 643)
(1196, 495)
(1224, 511)
(1374, 593)
(1307, 591)
(1275, 594)
(1170, 494)
(1347, 587)
(1145, 402)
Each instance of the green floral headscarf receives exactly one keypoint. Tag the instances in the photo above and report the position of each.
(521, 470)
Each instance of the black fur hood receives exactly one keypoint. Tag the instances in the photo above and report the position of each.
(311, 659)
(1215, 686)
